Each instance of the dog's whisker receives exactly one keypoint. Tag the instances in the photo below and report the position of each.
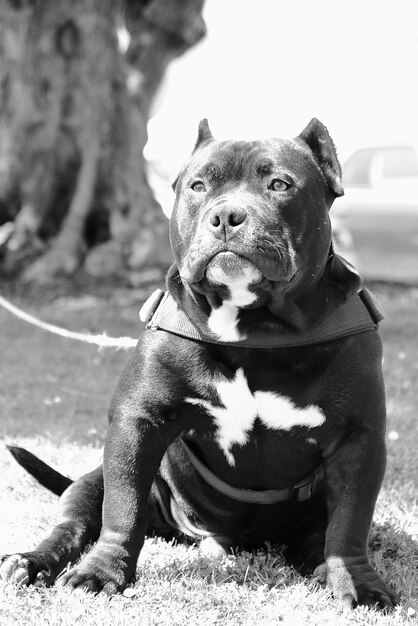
(277, 244)
(275, 247)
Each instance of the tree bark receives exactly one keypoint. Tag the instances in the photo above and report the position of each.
(73, 118)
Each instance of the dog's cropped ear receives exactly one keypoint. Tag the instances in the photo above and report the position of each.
(317, 138)
(204, 135)
(174, 183)
(342, 275)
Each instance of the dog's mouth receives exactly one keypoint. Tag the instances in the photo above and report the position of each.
(229, 268)
(234, 264)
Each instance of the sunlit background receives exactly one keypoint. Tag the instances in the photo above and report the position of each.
(266, 68)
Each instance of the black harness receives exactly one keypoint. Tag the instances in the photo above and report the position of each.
(357, 315)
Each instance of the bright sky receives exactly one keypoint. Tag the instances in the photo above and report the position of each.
(267, 67)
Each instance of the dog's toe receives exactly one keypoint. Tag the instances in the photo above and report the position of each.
(94, 574)
(320, 573)
(28, 568)
(87, 581)
(356, 583)
(16, 568)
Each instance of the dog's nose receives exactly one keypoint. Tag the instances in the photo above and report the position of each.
(226, 219)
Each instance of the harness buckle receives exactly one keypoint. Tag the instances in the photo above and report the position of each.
(304, 490)
(150, 306)
(371, 305)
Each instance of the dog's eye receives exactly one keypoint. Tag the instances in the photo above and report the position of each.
(278, 185)
(198, 186)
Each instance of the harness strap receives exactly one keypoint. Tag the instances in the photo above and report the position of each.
(300, 492)
(358, 314)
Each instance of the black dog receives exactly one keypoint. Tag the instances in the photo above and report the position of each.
(253, 407)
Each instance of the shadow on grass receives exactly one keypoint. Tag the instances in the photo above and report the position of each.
(182, 560)
(394, 554)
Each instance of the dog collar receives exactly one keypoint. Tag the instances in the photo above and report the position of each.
(300, 492)
(358, 314)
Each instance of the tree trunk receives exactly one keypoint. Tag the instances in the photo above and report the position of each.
(73, 117)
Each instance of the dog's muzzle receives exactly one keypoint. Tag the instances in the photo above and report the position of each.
(228, 268)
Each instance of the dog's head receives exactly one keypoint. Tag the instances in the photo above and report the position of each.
(251, 225)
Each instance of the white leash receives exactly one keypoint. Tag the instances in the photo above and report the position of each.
(98, 340)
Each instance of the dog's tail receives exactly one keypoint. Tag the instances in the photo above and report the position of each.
(44, 474)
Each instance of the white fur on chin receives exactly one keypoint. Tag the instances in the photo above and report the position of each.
(223, 320)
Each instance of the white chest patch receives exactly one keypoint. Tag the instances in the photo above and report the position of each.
(235, 419)
(223, 320)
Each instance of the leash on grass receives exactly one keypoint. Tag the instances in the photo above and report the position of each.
(102, 341)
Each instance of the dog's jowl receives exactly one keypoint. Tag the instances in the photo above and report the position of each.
(253, 406)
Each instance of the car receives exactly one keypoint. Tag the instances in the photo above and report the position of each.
(376, 221)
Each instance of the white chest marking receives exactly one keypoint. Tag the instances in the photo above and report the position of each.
(223, 320)
(235, 419)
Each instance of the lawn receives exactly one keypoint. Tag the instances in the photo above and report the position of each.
(53, 401)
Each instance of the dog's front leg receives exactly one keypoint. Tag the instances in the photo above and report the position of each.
(135, 445)
(354, 473)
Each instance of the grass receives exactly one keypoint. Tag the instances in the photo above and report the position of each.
(53, 401)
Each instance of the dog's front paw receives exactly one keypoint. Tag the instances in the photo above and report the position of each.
(99, 571)
(29, 568)
(354, 581)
